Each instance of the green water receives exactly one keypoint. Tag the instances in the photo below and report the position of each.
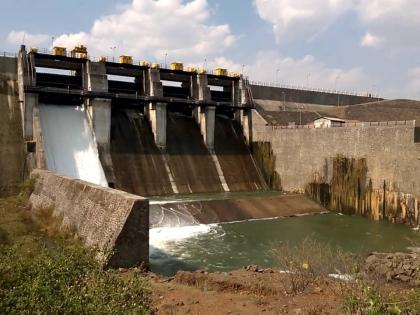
(227, 247)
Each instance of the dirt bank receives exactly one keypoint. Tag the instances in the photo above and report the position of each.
(245, 291)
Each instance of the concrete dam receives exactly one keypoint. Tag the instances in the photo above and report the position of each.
(110, 146)
(117, 148)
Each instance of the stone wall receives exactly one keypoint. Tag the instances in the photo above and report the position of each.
(12, 146)
(310, 97)
(113, 222)
(367, 168)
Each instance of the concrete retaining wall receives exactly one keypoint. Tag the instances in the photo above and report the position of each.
(12, 147)
(113, 222)
(311, 97)
(305, 156)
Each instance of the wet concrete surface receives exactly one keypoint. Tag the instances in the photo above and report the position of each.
(237, 164)
(138, 164)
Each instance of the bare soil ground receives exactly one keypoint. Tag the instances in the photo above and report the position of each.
(252, 291)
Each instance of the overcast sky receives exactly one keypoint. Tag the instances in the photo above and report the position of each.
(353, 45)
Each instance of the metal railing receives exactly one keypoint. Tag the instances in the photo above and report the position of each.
(47, 51)
(313, 89)
(8, 54)
(348, 125)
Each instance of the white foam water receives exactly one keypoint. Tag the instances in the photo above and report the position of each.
(165, 241)
(70, 147)
(158, 237)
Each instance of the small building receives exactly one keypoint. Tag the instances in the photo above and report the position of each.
(328, 122)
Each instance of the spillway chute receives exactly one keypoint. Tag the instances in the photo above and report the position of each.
(69, 143)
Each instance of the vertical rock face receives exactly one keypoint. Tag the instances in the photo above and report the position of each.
(12, 152)
(266, 161)
(113, 222)
(350, 191)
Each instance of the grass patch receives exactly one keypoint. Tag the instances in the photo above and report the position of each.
(54, 275)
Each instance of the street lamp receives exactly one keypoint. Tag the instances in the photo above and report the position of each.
(166, 55)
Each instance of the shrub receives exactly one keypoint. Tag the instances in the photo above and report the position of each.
(311, 260)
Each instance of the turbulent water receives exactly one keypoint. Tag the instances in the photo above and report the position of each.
(70, 146)
(226, 247)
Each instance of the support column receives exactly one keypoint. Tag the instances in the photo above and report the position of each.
(205, 116)
(158, 121)
(207, 125)
(27, 100)
(95, 79)
(247, 125)
(236, 93)
(99, 114)
(157, 112)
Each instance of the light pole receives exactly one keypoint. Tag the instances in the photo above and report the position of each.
(113, 52)
(336, 81)
(335, 88)
(166, 55)
(284, 100)
(52, 42)
(243, 66)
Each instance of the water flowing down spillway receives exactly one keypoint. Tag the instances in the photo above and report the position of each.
(69, 144)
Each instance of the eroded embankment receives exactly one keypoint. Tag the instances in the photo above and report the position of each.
(350, 191)
(230, 210)
(11, 138)
(239, 169)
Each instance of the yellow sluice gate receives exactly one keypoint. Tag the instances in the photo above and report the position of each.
(177, 66)
(80, 52)
(59, 51)
(126, 59)
(221, 72)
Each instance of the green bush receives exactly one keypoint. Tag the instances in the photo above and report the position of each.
(65, 279)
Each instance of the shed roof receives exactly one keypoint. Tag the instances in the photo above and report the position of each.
(330, 118)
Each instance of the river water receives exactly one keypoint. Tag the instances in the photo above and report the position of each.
(226, 247)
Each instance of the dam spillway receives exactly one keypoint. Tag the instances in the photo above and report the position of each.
(236, 161)
(137, 161)
(142, 168)
(70, 147)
